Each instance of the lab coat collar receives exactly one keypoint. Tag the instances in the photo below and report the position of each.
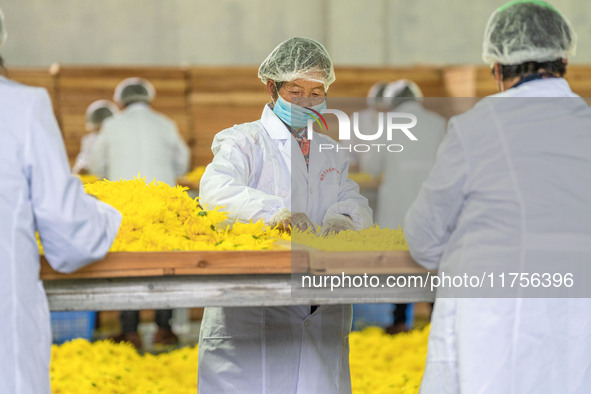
(549, 87)
(276, 129)
(137, 106)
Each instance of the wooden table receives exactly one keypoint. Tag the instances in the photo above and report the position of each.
(163, 280)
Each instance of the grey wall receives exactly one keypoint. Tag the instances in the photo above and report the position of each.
(234, 32)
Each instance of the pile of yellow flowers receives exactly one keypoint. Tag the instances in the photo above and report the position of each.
(195, 175)
(81, 367)
(158, 217)
(370, 239)
(361, 177)
(380, 363)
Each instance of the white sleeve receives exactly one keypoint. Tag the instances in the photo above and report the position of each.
(86, 145)
(351, 202)
(182, 154)
(225, 181)
(433, 215)
(97, 163)
(75, 228)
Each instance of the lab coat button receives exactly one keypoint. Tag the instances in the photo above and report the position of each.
(307, 323)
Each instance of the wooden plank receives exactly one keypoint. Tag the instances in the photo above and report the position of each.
(356, 81)
(130, 264)
(355, 263)
(579, 77)
(460, 81)
(485, 82)
(166, 292)
(147, 72)
(33, 76)
(225, 79)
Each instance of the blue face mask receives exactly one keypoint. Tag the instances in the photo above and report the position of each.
(294, 115)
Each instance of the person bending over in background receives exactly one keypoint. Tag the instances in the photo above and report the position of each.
(96, 113)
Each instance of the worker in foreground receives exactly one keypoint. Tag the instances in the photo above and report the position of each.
(270, 170)
(38, 194)
(509, 194)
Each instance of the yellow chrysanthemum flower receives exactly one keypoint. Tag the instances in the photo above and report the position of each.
(158, 217)
(370, 239)
(380, 363)
(195, 175)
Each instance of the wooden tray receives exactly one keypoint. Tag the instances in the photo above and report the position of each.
(128, 264)
(301, 259)
(359, 263)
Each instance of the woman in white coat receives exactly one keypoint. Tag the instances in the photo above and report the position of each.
(269, 170)
(38, 193)
(510, 193)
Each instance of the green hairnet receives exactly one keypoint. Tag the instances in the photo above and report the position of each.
(527, 30)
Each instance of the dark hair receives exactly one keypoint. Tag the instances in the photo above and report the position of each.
(134, 93)
(2, 68)
(520, 70)
(405, 95)
(100, 114)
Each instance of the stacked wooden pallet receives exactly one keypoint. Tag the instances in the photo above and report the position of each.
(206, 100)
(36, 76)
(477, 81)
(221, 97)
(356, 81)
(78, 86)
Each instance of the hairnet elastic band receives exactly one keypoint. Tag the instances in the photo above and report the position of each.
(538, 2)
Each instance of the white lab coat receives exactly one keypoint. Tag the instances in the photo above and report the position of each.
(403, 172)
(276, 349)
(510, 191)
(140, 140)
(86, 148)
(38, 192)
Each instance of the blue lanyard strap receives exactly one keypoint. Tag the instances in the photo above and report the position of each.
(533, 77)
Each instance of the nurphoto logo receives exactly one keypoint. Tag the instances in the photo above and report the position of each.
(388, 122)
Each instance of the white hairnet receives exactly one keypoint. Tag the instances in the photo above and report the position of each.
(134, 89)
(402, 88)
(97, 112)
(376, 89)
(298, 58)
(527, 30)
(374, 95)
(382, 95)
(3, 33)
